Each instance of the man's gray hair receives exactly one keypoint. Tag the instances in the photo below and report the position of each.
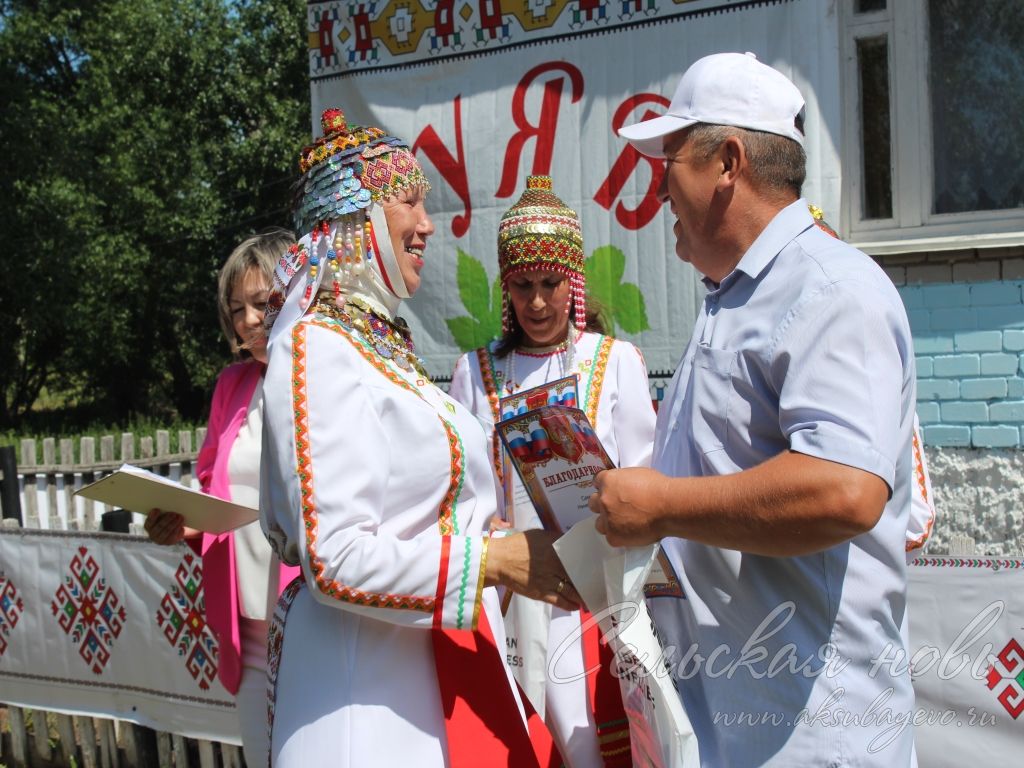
(776, 162)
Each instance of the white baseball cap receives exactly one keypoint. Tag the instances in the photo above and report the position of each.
(725, 89)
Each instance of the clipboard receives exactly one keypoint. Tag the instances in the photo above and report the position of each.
(139, 490)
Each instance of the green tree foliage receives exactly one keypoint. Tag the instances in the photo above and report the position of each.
(142, 139)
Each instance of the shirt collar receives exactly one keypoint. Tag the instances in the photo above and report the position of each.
(781, 230)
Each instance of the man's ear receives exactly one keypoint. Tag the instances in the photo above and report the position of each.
(733, 158)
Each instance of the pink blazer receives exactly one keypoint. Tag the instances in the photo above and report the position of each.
(231, 397)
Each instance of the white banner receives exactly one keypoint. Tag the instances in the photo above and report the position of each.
(490, 92)
(967, 660)
(110, 625)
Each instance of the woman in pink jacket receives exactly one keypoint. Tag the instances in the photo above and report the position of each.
(242, 578)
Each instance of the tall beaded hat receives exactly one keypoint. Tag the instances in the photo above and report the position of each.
(343, 234)
(542, 232)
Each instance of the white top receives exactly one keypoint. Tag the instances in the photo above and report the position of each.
(805, 346)
(613, 389)
(257, 580)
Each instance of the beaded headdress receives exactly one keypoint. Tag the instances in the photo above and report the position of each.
(542, 232)
(344, 241)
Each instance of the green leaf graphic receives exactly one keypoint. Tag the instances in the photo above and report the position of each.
(472, 281)
(483, 302)
(623, 302)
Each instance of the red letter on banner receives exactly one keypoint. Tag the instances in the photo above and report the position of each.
(452, 170)
(626, 164)
(544, 131)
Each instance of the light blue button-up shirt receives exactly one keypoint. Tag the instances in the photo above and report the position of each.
(804, 346)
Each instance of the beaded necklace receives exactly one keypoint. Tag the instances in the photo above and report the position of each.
(391, 340)
(564, 349)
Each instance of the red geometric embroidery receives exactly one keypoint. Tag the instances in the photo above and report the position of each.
(11, 608)
(1012, 694)
(182, 617)
(88, 610)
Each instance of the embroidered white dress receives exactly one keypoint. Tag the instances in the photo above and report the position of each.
(379, 484)
(613, 391)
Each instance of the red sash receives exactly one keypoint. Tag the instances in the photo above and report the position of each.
(482, 721)
(605, 696)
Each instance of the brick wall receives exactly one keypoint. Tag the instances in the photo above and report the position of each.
(966, 311)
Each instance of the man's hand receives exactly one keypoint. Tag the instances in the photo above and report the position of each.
(629, 505)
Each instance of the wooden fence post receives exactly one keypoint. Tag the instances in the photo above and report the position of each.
(19, 736)
(87, 453)
(53, 520)
(28, 458)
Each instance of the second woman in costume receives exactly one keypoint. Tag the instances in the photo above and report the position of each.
(548, 333)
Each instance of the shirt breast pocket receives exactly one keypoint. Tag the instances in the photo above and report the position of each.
(713, 396)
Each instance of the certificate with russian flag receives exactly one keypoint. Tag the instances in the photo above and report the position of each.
(556, 454)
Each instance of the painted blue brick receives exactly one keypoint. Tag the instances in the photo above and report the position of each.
(958, 411)
(951, 437)
(957, 319)
(995, 437)
(999, 364)
(1011, 410)
(924, 367)
(928, 413)
(1015, 387)
(947, 295)
(920, 320)
(932, 344)
(982, 389)
(912, 296)
(1000, 317)
(938, 389)
(978, 341)
(956, 366)
(1013, 341)
(995, 293)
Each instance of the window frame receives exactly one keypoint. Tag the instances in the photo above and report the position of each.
(904, 25)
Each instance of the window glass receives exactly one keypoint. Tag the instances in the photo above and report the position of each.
(869, 6)
(873, 69)
(976, 82)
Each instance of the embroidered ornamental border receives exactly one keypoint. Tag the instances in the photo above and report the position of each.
(347, 40)
(922, 486)
(483, 356)
(596, 380)
(309, 513)
(996, 564)
(447, 521)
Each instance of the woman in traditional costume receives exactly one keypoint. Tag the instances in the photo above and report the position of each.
(549, 333)
(389, 650)
(241, 576)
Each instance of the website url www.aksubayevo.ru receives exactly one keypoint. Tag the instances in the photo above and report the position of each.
(969, 717)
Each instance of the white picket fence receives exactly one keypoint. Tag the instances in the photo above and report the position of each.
(47, 480)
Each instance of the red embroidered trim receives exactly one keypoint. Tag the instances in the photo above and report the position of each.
(303, 456)
(604, 350)
(491, 388)
(445, 519)
(923, 487)
(442, 580)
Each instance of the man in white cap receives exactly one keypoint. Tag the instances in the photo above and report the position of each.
(781, 475)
